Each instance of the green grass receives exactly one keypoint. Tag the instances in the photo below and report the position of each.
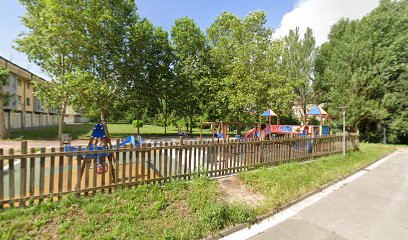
(285, 183)
(85, 131)
(177, 210)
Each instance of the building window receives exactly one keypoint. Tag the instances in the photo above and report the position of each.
(19, 99)
(13, 101)
(28, 85)
(19, 82)
(28, 101)
(13, 82)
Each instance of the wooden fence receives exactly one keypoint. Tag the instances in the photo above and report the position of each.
(29, 176)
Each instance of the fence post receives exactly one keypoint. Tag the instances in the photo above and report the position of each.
(60, 172)
(160, 160)
(11, 173)
(180, 158)
(170, 173)
(23, 172)
(165, 165)
(42, 173)
(149, 160)
(117, 156)
(123, 167)
(131, 164)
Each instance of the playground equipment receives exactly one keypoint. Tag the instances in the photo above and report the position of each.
(222, 128)
(321, 129)
(269, 113)
(132, 140)
(100, 140)
(304, 130)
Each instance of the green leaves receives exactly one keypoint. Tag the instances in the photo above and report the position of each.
(4, 73)
(364, 66)
(190, 66)
(247, 63)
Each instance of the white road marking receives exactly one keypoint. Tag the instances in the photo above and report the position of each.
(293, 210)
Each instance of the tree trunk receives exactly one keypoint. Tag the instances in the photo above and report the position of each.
(239, 124)
(102, 112)
(138, 127)
(61, 122)
(3, 129)
(165, 123)
(191, 123)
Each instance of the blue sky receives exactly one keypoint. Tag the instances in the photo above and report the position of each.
(163, 13)
(282, 16)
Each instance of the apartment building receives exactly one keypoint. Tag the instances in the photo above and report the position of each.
(24, 110)
(72, 116)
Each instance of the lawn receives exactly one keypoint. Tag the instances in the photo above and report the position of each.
(84, 131)
(178, 210)
(282, 184)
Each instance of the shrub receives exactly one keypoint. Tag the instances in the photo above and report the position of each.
(159, 120)
(181, 123)
(137, 123)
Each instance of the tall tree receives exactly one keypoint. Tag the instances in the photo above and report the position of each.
(50, 43)
(3, 81)
(165, 75)
(103, 28)
(78, 43)
(146, 75)
(246, 74)
(363, 65)
(190, 69)
(297, 62)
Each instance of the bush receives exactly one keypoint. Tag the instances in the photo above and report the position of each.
(181, 123)
(159, 120)
(137, 123)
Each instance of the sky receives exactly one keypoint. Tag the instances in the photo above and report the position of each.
(283, 15)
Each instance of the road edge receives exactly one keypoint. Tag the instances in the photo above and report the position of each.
(236, 228)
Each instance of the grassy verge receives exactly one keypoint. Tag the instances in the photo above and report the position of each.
(85, 130)
(177, 210)
(287, 182)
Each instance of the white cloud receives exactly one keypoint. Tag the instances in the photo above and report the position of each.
(320, 15)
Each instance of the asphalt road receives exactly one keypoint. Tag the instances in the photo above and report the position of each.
(374, 206)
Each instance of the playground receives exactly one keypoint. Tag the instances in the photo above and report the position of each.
(104, 163)
(84, 131)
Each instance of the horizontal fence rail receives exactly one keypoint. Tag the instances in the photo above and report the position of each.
(30, 175)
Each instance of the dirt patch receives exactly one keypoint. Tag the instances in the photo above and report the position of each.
(49, 230)
(181, 208)
(236, 192)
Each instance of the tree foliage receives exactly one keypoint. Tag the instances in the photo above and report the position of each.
(4, 73)
(364, 65)
(51, 42)
(246, 59)
(102, 56)
(190, 67)
(298, 56)
(146, 85)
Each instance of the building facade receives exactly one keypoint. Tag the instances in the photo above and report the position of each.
(71, 116)
(24, 110)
